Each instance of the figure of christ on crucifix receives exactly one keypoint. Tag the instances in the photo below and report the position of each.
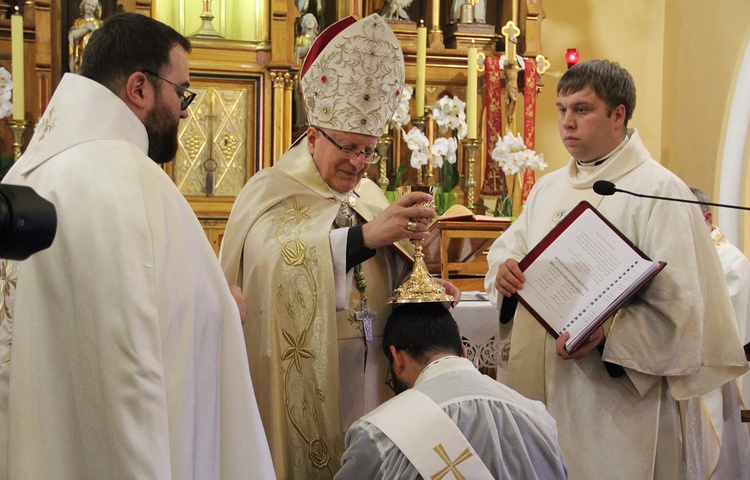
(511, 33)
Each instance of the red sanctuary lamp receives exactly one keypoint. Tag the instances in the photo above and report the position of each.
(571, 57)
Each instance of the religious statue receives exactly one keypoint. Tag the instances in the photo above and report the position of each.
(81, 30)
(480, 10)
(316, 7)
(308, 25)
(395, 10)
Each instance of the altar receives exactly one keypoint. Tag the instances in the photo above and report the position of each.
(457, 250)
(487, 342)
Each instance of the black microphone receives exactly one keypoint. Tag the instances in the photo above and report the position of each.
(605, 188)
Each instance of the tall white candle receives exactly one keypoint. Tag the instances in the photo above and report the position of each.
(16, 38)
(471, 94)
(421, 69)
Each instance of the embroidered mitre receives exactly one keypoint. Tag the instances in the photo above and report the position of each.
(353, 76)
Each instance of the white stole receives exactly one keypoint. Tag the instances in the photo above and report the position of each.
(428, 437)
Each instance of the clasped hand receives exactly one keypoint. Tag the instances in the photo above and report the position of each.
(509, 278)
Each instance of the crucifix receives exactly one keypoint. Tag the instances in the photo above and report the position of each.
(511, 33)
(366, 317)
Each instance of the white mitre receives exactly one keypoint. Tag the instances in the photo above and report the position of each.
(353, 76)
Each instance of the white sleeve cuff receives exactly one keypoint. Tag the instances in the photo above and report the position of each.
(341, 278)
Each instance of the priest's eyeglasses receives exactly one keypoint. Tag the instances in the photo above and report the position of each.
(389, 371)
(353, 152)
(187, 95)
(388, 375)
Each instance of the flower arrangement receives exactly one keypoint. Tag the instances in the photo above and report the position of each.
(419, 145)
(514, 158)
(401, 116)
(449, 115)
(6, 90)
(6, 108)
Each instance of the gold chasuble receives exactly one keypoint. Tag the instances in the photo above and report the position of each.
(313, 371)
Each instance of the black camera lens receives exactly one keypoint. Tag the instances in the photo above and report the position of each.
(27, 222)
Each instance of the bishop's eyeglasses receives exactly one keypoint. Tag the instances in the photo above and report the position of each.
(353, 152)
(187, 95)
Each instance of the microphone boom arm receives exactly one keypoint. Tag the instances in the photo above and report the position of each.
(642, 195)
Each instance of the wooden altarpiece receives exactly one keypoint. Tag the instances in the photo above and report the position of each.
(244, 116)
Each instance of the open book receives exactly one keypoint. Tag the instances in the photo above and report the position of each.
(581, 273)
(470, 235)
(460, 213)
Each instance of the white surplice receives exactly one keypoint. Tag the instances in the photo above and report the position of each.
(737, 274)
(127, 358)
(514, 437)
(676, 339)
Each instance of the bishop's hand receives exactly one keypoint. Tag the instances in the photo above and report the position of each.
(397, 222)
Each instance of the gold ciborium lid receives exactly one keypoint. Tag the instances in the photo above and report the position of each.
(420, 287)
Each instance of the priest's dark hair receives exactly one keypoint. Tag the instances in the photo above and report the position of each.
(608, 80)
(127, 43)
(422, 330)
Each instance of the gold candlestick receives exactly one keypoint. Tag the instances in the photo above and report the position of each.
(207, 27)
(384, 147)
(420, 123)
(18, 127)
(420, 287)
(470, 145)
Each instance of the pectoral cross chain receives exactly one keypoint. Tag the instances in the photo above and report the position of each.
(366, 317)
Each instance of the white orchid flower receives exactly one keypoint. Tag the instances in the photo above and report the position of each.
(420, 157)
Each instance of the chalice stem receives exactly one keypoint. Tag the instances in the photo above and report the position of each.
(420, 286)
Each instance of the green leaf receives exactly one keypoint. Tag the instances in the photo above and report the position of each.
(444, 200)
(507, 207)
(400, 173)
(495, 213)
(449, 176)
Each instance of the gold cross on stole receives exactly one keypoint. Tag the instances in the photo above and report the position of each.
(452, 465)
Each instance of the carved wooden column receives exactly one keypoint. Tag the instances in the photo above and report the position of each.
(289, 80)
(282, 83)
(435, 35)
(535, 15)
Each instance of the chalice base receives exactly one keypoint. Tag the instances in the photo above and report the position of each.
(420, 287)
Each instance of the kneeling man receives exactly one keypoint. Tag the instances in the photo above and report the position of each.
(447, 417)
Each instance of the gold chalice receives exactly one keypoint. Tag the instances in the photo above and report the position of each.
(420, 287)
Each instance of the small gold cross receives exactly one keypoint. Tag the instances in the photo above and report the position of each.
(452, 465)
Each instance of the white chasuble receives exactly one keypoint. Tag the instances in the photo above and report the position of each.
(127, 357)
(668, 338)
